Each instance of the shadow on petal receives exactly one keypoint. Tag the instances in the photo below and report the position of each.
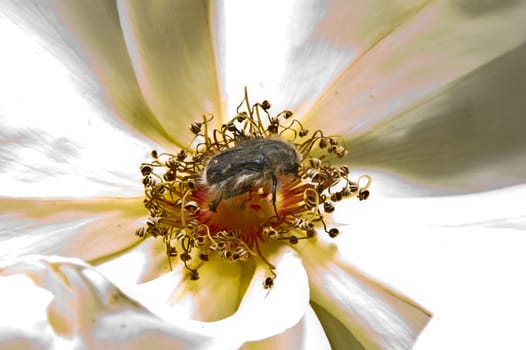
(170, 48)
(469, 137)
(377, 316)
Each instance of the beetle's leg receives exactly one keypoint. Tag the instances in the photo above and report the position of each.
(274, 190)
(213, 205)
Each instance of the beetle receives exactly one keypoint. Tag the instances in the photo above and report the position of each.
(237, 170)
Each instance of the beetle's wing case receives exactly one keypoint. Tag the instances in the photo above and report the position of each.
(245, 157)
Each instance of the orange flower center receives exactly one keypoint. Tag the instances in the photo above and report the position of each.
(242, 185)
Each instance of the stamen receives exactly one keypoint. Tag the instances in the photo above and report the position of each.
(200, 211)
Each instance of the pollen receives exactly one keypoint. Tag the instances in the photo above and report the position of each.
(267, 186)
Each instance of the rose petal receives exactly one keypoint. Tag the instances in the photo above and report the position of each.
(468, 137)
(339, 336)
(377, 316)
(56, 139)
(461, 256)
(94, 32)
(91, 230)
(288, 52)
(427, 98)
(438, 44)
(261, 313)
(307, 334)
(143, 262)
(170, 46)
(214, 296)
(74, 306)
(499, 208)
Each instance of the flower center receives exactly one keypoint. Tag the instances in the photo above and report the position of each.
(243, 184)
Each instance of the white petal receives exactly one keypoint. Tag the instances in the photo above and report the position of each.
(214, 296)
(260, 314)
(91, 230)
(73, 306)
(143, 262)
(288, 52)
(377, 316)
(439, 99)
(306, 335)
(443, 41)
(469, 137)
(57, 137)
(170, 46)
(461, 256)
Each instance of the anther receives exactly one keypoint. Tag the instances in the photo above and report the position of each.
(181, 156)
(241, 116)
(336, 197)
(363, 195)
(195, 127)
(146, 169)
(185, 256)
(333, 232)
(328, 207)
(265, 105)
(194, 275)
(140, 232)
(293, 240)
(169, 176)
(268, 283)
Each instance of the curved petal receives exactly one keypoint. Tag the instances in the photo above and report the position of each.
(142, 262)
(468, 137)
(288, 52)
(443, 41)
(73, 306)
(306, 335)
(460, 256)
(426, 98)
(260, 312)
(86, 40)
(214, 296)
(170, 46)
(91, 230)
(339, 336)
(377, 316)
(55, 140)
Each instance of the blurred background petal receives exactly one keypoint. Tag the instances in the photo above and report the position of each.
(439, 99)
(469, 137)
(288, 52)
(460, 256)
(86, 38)
(170, 46)
(58, 135)
(92, 230)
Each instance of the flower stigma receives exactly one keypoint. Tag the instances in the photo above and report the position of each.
(259, 177)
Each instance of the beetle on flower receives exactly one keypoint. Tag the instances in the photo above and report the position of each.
(415, 89)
